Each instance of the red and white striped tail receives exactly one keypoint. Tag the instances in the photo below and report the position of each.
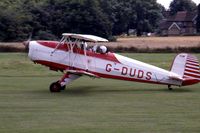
(192, 69)
(187, 66)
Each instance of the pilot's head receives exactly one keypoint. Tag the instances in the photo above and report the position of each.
(103, 49)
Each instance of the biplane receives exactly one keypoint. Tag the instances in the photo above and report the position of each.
(75, 58)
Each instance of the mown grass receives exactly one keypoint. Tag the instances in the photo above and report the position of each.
(88, 105)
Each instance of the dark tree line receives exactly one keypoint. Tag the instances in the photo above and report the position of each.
(198, 19)
(182, 5)
(48, 19)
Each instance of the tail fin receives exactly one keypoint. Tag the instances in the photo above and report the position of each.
(187, 67)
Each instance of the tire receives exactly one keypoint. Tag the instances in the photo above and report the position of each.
(55, 87)
(170, 88)
(62, 87)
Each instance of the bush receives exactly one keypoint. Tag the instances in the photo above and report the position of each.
(7, 48)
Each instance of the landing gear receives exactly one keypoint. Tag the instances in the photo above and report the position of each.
(170, 87)
(61, 84)
(63, 87)
(55, 87)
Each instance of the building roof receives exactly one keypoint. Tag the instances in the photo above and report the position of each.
(183, 16)
(165, 24)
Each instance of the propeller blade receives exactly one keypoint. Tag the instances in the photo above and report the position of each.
(26, 43)
(30, 37)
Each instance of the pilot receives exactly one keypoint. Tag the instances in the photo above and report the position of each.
(94, 49)
(83, 44)
(102, 49)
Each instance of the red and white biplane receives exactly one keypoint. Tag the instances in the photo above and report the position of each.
(72, 56)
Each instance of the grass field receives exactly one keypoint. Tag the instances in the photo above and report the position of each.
(92, 106)
(157, 42)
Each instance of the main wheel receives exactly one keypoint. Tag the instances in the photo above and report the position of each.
(55, 87)
(62, 87)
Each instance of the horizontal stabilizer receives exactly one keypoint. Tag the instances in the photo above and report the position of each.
(175, 77)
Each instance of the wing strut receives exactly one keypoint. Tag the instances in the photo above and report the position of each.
(61, 41)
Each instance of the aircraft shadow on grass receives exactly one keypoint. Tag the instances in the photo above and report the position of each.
(98, 90)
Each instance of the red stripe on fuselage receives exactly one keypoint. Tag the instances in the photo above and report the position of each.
(52, 44)
(62, 67)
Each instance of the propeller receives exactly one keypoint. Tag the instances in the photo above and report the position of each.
(26, 43)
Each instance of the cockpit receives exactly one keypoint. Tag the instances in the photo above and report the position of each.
(80, 41)
(96, 48)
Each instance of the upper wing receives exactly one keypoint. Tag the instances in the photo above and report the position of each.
(89, 38)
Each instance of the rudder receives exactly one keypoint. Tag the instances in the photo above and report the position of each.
(187, 67)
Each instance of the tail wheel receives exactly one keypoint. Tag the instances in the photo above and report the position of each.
(170, 87)
(55, 87)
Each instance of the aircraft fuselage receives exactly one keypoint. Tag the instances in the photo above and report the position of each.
(108, 65)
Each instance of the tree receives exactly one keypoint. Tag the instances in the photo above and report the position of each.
(148, 13)
(12, 21)
(40, 20)
(18, 19)
(142, 15)
(48, 19)
(77, 16)
(198, 20)
(181, 5)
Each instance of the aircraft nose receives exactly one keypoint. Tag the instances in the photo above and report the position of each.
(26, 44)
(29, 47)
